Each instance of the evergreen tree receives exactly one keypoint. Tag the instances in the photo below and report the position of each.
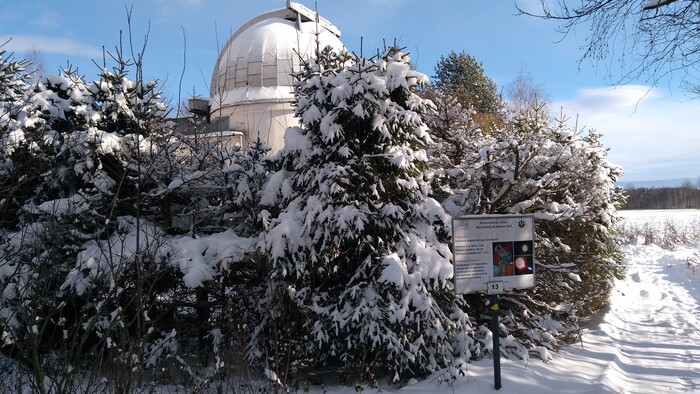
(13, 113)
(462, 75)
(246, 178)
(94, 267)
(545, 169)
(78, 262)
(360, 259)
(450, 127)
(38, 247)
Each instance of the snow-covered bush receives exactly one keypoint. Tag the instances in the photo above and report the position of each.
(247, 175)
(117, 249)
(78, 285)
(361, 271)
(451, 127)
(536, 166)
(16, 176)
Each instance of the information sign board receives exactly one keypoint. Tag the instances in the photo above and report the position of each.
(493, 253)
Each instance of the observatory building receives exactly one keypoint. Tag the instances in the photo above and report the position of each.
(251, 92)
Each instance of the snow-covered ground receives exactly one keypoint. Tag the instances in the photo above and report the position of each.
(647, 341)
(659, 217)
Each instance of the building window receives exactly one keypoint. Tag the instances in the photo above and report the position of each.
(269, 74)
(255, 73)
(285, 69)
(241, 72)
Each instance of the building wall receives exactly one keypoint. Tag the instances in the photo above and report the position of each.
(265, 120)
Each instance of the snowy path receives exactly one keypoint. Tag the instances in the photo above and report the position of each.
(650, 338)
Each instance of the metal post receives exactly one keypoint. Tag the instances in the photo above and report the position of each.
(495, 330)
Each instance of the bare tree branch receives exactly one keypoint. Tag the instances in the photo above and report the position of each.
(637, 39)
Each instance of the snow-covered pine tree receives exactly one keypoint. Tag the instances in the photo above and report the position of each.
(142, 160)
(450, 125)
(13, 86)
(247, 175)
(78, 262)
(542, 167)
(89, 269)
(360, 260)
(49, 226)
(120, 274)
(13, 112)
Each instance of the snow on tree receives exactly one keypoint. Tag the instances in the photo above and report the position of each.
(360, 259)
(541, 167)
(116, 248)
(13, 112)
(451, 126)
(93, 255)
(247, 175)
(96, 155)
(13, 86)
(37, 245)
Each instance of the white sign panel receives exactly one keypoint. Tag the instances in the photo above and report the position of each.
(493, 253)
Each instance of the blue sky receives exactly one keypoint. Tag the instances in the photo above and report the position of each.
(652, 134)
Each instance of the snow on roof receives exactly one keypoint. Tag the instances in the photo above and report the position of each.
(264, 52)
(252, 94)
(224, 133)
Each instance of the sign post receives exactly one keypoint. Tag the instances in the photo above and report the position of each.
(496, 342)
(493, 253)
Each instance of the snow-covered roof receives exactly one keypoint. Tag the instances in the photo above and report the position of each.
(257, 61)
(224, 133)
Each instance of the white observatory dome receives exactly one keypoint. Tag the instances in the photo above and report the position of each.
(256, 63)
(252, 85)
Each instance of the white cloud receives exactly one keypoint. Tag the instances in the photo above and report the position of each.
(48, 44)
(611, 100)
(651, 135)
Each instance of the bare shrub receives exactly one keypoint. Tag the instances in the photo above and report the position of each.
(667, 234)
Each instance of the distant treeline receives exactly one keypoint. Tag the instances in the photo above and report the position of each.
(683, 197)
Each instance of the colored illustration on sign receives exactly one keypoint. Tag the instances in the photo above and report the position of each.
(512, 258)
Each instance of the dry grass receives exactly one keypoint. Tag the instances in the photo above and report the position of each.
(667, 234)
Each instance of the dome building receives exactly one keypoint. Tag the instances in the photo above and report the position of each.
(252, 84)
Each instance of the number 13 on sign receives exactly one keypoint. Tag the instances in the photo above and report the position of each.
(494, 288)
